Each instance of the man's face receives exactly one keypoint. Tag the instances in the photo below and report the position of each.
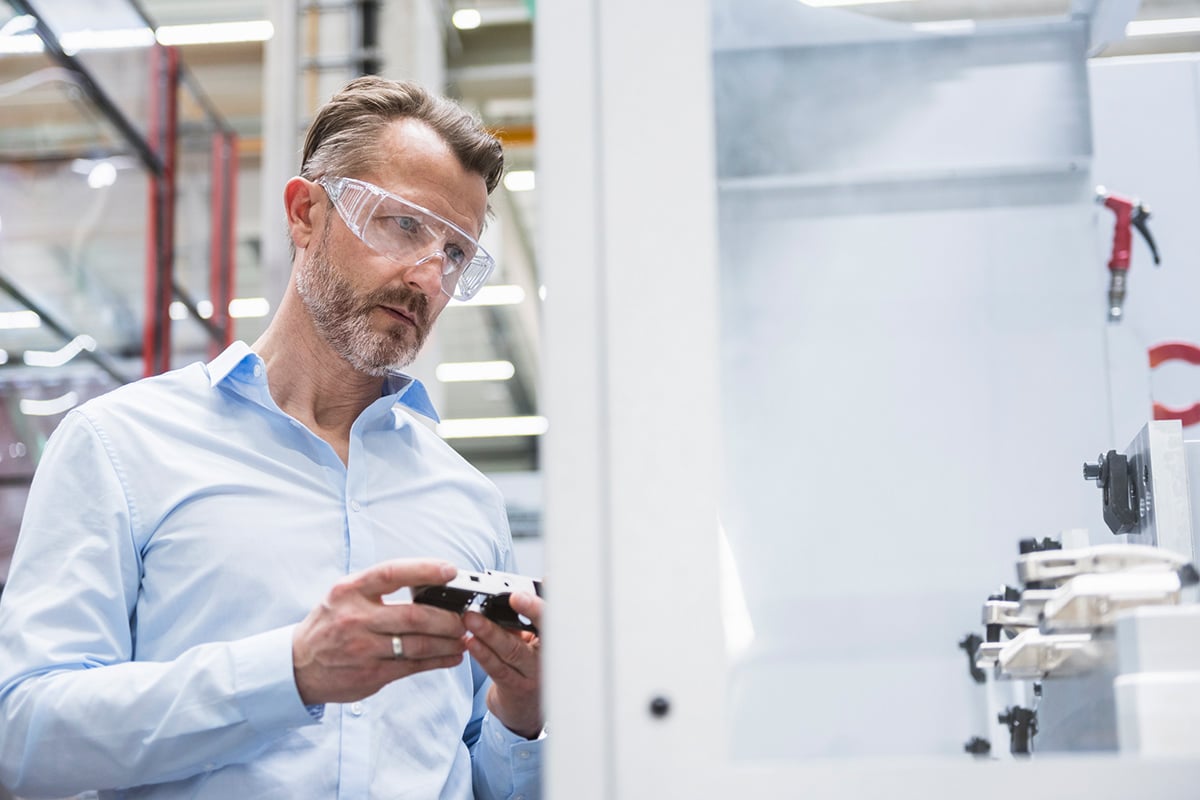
(373, 312)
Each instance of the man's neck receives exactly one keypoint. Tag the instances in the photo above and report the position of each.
(308, 380)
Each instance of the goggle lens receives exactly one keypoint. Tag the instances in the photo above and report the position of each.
(409, 234)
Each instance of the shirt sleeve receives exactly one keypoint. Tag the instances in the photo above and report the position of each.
(77, 712)
(506, 765)
(500, 752)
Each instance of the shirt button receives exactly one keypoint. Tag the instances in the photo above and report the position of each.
(354, 506)
(210, 766)
(356, 709)
(258, 370)
(522, 754)
(519, 797)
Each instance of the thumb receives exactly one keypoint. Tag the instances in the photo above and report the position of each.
(388, 576)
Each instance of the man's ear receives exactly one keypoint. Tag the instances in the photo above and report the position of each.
(300, 200)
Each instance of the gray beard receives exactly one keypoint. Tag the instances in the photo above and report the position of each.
(343, 319)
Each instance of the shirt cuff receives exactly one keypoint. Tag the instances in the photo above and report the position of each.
(523, 755)
(266, 682)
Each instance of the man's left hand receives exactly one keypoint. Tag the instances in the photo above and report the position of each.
(513, 660)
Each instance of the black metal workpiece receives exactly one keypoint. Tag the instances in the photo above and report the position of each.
(1022, 727)
(971, 643)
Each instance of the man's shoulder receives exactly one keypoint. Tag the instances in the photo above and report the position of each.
(149, 396)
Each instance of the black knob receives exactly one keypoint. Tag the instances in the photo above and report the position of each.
(977, 746)
(659, 707)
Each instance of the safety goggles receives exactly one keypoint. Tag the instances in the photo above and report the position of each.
(409, 234)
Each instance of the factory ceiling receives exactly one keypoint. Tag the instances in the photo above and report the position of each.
(72, 252)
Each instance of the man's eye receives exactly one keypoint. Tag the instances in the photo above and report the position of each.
(456, 255)
(403, 223)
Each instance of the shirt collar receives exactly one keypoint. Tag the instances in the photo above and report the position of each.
(239, 363)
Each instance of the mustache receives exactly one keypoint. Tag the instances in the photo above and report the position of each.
(403, 297)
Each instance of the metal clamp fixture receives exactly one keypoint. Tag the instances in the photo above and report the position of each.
(1112, 474)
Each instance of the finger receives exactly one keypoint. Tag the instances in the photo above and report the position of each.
(410, 666)
(416, 647)
(501, 672)
(528, 605)
(415, 618)
(501, 647)
(388, 576)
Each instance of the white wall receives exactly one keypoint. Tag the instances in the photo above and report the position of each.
(1146, 123)
(913, 366)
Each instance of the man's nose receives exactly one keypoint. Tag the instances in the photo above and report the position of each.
(426, 274)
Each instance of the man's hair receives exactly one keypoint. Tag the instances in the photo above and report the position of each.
(343, 140)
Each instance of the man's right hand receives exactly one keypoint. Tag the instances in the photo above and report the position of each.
(343, 650)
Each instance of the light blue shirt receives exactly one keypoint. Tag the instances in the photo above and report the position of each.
(176, 531)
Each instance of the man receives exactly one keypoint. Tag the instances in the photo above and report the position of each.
(201, 599)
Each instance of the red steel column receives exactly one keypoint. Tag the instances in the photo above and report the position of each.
(223, 244)
(160, 234)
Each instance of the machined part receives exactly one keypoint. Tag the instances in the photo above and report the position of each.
(988, 654)
(1159, 468)
(1009, 615)
(1054, 567)
(1087, 602)
(1033, 654)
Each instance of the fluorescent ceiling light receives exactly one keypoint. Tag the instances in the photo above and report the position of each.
(102, 175)
(178, 310)
(1162, 27)
(3, 356)
(249, 307)
(462, 371)
(490, 427)
(14, 320)
(116, 39)
(466, 19)
(56, 358)
(255, 30)
(836, 3)
(259, 30)
(494, 296)
(945, 26)
(48, 408)
(239, 308)
(520, 180)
